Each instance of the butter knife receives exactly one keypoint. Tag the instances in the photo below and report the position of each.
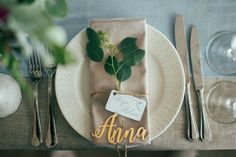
(204, 130)
(181, 46)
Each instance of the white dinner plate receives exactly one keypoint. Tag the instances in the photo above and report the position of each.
(165, 76)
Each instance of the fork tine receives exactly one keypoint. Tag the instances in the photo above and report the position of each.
(35, 60)
(39, 61)
(32, 62)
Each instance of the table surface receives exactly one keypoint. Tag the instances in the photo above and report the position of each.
(209, 16)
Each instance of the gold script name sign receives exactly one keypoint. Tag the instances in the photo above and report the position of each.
(117, 135)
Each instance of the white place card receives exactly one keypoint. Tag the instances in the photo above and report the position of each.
(126, 105)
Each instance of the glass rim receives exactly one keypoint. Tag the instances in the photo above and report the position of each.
(212, 38)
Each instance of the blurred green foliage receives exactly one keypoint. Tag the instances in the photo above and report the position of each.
(20, 19)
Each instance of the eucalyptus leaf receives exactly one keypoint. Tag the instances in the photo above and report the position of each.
(111, 65)
(93, 36)
(8, 3)
(94, 52)
(11, 3)
(23, 19)
(132, 55)
(124, 72)
(128, 45)
(61, 55)
(57, 8)
(26, 1)
(134, 58)
(6, 59)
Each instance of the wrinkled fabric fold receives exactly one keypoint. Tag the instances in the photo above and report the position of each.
(102, 83)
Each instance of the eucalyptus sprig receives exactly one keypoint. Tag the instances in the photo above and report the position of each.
(118, 67)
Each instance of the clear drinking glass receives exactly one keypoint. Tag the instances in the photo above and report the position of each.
(221, 57)
(221, 52)
(221, 102)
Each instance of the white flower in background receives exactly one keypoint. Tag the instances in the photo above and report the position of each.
(22, 38)
(56, 35)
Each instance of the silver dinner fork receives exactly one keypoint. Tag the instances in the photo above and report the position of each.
(50, 69)
(35, 69)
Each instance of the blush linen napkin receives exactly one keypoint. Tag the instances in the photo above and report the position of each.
(102, 83)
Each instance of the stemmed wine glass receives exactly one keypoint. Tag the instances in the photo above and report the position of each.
(221, 57)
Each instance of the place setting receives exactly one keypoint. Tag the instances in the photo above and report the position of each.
(84, 90)
(121, 83)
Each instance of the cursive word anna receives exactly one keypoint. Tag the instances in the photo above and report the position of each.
(115, 135)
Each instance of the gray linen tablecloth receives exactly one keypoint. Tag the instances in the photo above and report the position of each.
(209, 16)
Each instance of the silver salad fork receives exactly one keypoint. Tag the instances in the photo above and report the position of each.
(35, 70)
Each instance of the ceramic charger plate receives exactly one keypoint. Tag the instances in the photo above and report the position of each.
(165, 76)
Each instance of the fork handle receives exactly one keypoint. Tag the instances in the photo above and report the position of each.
(51, 138)
(37, 131)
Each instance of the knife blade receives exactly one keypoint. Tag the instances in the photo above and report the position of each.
(181, 46)
(195, 58)
(205, 133)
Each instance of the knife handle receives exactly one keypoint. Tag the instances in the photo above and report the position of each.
(205, 133)
(192, 130)
(51, 138)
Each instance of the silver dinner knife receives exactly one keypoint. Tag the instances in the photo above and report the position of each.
(50, 69)
(204, 130)
(181, 46)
